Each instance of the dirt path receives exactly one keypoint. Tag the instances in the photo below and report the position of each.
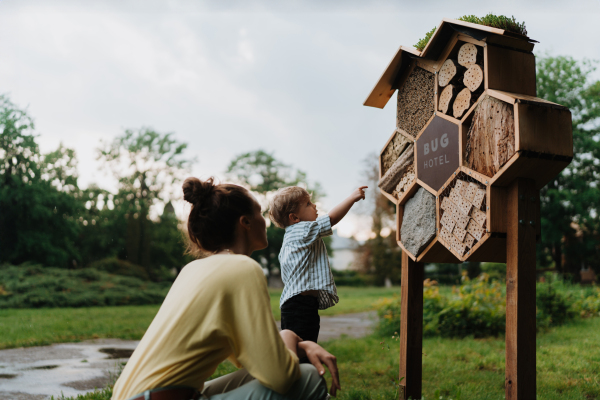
(35, 373)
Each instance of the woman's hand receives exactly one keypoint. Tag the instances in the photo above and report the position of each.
(319, 356)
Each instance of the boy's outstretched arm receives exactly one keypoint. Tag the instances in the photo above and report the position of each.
(342, 209)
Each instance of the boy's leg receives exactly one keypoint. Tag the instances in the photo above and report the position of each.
(310, 386)
(300, 314)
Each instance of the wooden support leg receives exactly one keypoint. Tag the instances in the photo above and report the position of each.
(522, 204)
(411, 329)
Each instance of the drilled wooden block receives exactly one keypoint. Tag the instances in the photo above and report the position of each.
(459, 233)
(478, 198)
(455, 195)
(469, 240)
(446, 204)
(459, 185)
(471, 191)
(447, 221)
(475, 230)
(458, 246)
(446, 236)
(479, 217)
(464, 206)
(461, 219)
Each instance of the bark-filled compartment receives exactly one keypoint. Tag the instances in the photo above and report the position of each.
(405, 181)
(463, 215)
(415, 101)
(491, 137)
(396, 171)
(418, 222)
(395, 147)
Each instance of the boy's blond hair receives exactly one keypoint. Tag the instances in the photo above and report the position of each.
(286, 201)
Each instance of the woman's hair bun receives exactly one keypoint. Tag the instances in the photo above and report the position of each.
(196, 191)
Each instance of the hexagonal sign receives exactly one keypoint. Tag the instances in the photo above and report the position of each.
(437, 152)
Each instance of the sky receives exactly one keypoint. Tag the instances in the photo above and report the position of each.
(229, 77)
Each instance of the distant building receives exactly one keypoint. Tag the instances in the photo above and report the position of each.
(344, 250)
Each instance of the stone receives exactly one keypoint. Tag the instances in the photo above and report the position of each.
(418, 222)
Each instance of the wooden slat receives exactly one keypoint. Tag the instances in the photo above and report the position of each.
(446, 117)
(428, 65)
(544, 129)
(388, 196)
(488, 249)
(384, 88)
(469, 39)
(510, 42)
(496, 209)
(509, 70)
(520, 291)
(525, 166)
(512, 98)
(411, 329)
(426, 186)
(438, 253)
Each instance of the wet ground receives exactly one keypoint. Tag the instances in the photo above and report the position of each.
(36, 373)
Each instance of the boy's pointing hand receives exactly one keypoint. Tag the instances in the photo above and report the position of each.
(359, 194)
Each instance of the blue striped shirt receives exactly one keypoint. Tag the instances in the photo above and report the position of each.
(304, 262)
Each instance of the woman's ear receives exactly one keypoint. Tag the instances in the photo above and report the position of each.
(245, 222)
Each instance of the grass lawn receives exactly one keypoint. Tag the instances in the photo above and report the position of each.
(34, 327)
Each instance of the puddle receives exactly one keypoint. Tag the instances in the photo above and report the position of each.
(89, 384)
(116, 353)
(42, 367)
(7, 376)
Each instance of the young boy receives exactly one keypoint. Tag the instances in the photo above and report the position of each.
(307, 278)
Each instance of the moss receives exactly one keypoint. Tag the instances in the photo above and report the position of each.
(491, 20)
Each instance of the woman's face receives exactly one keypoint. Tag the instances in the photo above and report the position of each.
(258, 229)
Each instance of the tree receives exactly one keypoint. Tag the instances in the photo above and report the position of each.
(146, 164)
(37, 209)
(263, 174)
(570, 202)
(380, 256)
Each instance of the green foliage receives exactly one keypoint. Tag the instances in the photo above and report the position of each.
(494, 21)
(570, 202)
(478, 307)
(37, 195)
(120, 267)
(351, 278)
(34, 286)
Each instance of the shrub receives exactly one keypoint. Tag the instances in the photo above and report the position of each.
(350, 278)
(478, 307)
(31, 286)
(120, 267)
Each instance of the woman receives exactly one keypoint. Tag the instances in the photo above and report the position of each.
(219, 308)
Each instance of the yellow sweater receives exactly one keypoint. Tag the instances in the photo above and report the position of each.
(217, 308)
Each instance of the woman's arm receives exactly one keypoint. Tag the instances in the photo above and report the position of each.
(290, 339)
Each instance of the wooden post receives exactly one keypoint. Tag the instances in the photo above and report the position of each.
(520, 290)
(411, 329)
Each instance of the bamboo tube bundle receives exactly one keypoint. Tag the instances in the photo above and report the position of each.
(395, 173)
(415, 101)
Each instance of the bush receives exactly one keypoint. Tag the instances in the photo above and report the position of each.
(120, 267)
(351, 278)
(478, 307)
(31, 286)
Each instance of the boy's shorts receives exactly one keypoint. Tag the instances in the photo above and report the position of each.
(300, 314)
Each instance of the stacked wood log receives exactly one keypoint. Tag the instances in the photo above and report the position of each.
(395, 147)
(460, 81)
(415, 101)
(395, 173)
(462, 215)
(405, 181)
(491, 137)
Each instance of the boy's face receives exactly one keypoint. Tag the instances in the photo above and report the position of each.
(307, 211)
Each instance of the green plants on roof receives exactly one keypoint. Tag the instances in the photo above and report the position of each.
(491, 20)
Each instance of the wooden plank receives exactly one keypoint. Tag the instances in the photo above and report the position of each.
(544, 129)
(514, 43)
(411, 329)
(509, 70)
(425, 186)
(529, 166)
(469, 39)
(514, 97)
(389, 196)
(438, 253)
(384, 88)
(488, 249)
(428, 65)
(447, 117)
(520, 371)
(496, 209)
